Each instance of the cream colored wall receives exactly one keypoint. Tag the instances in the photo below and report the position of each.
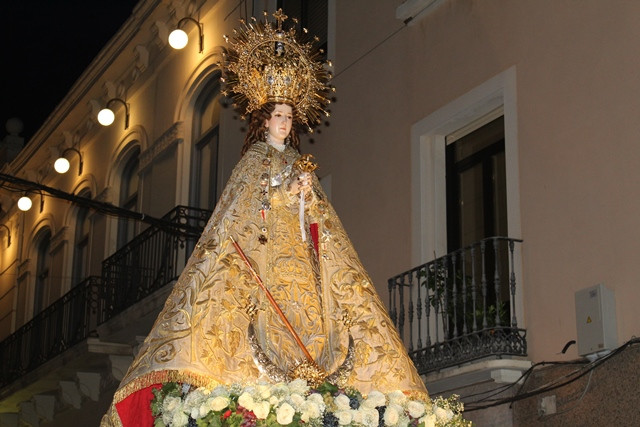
(8, 292)
(578, 162)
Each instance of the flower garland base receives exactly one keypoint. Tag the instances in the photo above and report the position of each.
(297, 404)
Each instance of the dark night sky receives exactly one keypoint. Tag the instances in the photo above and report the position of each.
(46, 45)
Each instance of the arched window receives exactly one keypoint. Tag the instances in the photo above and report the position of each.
(204, 171)
(43, 267)
(81, 244)
(128, 197)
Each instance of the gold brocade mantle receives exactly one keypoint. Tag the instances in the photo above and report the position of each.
(200, 336)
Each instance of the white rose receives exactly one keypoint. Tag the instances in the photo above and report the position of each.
(204, 409)
(264, 390)
(273, 400)
(166, 418)
(297, 400)
(261, 409)
(342, 402)
(375, 399)
(309, 410)
(415, 409)
(280, 390)
(344, 417)
(428, 420)
(397, 397)
(317, 399)
(284, 414)
(171, 403)
(179, 419)
(392, 415)
(195, 398)
(246, 401)
(298, 386)
(251, 390)
(218, 403)
(403, 421)
(366, 416)
(442, 414)
(449, 414)
(357, 417)
(195, 413)
(220, 391)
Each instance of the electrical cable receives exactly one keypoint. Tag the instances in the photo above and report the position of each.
(531, 369)
(577, 401)
(15, 184)
(524, 375)
(234, 9)
(569, 378)
(405, 23)
(369, 51)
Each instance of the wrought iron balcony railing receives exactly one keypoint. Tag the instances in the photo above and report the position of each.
(461, 307)
(54, 330)
(151, 260)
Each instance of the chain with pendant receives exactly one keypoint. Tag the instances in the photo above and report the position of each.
(268, 180)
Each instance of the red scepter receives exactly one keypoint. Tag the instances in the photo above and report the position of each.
(273, 302)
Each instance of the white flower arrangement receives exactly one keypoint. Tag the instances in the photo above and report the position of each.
(296, 404)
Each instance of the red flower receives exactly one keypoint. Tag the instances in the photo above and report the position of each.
(226, 414)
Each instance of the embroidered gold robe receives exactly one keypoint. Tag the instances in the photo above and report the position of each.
(200, 336)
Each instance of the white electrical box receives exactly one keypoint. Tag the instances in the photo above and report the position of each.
(596, 320)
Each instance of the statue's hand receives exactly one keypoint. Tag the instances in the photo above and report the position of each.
(301, 183)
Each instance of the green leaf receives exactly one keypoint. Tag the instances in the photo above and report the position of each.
(211, 420)
(171, 389)
(234, 420)
(271, 420)
(156, 402)
(327, 387)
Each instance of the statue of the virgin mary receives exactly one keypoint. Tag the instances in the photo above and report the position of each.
(274, 289)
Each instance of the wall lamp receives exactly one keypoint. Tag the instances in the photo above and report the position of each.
(24, 202)
(8, 234)
(62, 165)
(106, 115)
(179, 39)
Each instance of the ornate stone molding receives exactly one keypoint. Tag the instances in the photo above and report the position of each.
(104, 195)
(173, 136)
(119, 365)
(23, 268)
(70, 394)
(45, 406)
(89, 384)
(161, 32)
(59, 239)
(142, 61)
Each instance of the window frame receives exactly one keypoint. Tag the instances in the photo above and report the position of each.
(127, 199)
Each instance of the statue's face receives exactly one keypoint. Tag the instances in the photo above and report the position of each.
(280, 123)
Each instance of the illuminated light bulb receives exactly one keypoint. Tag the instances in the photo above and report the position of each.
(61, 165)
(178, 39)
(106, 117)
(24, 203)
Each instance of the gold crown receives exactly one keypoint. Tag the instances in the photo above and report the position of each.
(268, 64)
